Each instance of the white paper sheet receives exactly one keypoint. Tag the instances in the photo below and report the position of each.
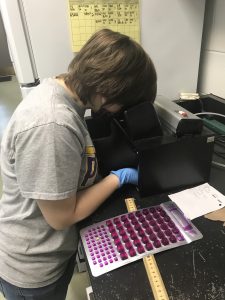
(199, 200)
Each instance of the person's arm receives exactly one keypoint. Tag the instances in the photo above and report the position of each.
(61, 214)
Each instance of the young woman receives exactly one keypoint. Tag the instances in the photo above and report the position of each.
(48, 163)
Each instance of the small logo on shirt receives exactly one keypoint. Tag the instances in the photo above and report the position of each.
(91, 164)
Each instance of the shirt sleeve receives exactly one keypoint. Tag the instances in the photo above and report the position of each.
(48, 161)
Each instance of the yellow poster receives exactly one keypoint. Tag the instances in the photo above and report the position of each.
(87, 17)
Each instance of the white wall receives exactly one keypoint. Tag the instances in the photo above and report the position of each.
(171, 33)
(212, 66)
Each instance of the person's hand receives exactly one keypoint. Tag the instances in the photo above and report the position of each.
(126, 175)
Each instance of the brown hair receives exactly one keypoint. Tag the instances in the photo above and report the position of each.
(115, 66)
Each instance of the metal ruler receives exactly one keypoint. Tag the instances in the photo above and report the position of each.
(154, 276)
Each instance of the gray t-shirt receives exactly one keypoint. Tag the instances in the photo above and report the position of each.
(46, 153)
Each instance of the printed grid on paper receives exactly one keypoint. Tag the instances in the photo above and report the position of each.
(87, 17)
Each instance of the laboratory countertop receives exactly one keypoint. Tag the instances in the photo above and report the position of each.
(190, 272)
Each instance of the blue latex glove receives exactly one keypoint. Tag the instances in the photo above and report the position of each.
(127, 175)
